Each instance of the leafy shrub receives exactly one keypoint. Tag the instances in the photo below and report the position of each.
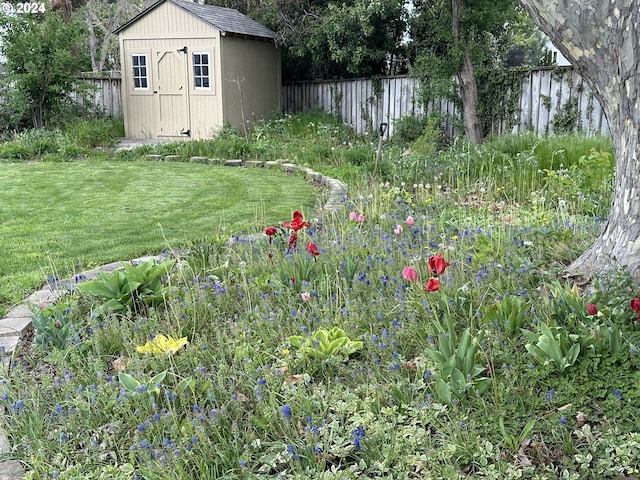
(359, 155)
(30, 144)
(409, 129)
(229, 143)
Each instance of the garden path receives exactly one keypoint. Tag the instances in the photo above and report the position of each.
(17, 323)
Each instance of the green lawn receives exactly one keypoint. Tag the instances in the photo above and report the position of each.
(58, 217)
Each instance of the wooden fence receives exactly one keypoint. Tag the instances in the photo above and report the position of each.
(105, 92)
(547, 94)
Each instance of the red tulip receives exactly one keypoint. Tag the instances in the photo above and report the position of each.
(592, 309)
(293, 241)
(437, 264)
(433, 285)
(312, 249)
(297, 222)
(270, 232)
(635, 304)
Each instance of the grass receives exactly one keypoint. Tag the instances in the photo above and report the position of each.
(57, 218)
(284, 363)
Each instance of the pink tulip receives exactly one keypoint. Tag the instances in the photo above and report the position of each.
(410, 274)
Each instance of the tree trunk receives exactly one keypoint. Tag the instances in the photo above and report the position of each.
(65, 6)
(601, 38)
(469, 98)
(467, 81)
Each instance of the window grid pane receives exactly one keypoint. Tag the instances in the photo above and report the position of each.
(140, 79)
(201, 70)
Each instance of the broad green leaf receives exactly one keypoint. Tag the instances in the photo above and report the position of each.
(526, 431)
(458, 381)
(531, 336)
(158, 270)
(128, 382)
(352, 347)
(335, 345)
(112, 305)
(435, 355)
(482, 384)
(336, 332)
(296, 340)
(185, 383)
(97, 288)
(322, 336)
(443, 391)
(464, 343)
(157, 380)
(445, 345)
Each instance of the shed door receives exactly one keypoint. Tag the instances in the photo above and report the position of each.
(172, 93)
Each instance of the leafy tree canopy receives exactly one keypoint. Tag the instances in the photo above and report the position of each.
(42, 54)
(491, 34)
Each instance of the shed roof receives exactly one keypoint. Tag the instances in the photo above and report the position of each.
(227, 20)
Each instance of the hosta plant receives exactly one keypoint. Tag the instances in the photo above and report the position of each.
(134, 287)
(323, 343)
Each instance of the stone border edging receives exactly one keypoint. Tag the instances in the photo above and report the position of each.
(18, 320)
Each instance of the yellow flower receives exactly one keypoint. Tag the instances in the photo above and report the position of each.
(161, 345)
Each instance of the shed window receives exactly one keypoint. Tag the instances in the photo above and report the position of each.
(140, 73)
(201, 74)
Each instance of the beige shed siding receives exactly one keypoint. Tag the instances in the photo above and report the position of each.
(168, 21)
(147, 113)
(251, 77)
(206, 105)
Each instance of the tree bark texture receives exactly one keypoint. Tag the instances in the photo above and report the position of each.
(467, 81)
(601, 38)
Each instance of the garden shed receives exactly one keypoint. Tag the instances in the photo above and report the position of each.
(190, 69)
